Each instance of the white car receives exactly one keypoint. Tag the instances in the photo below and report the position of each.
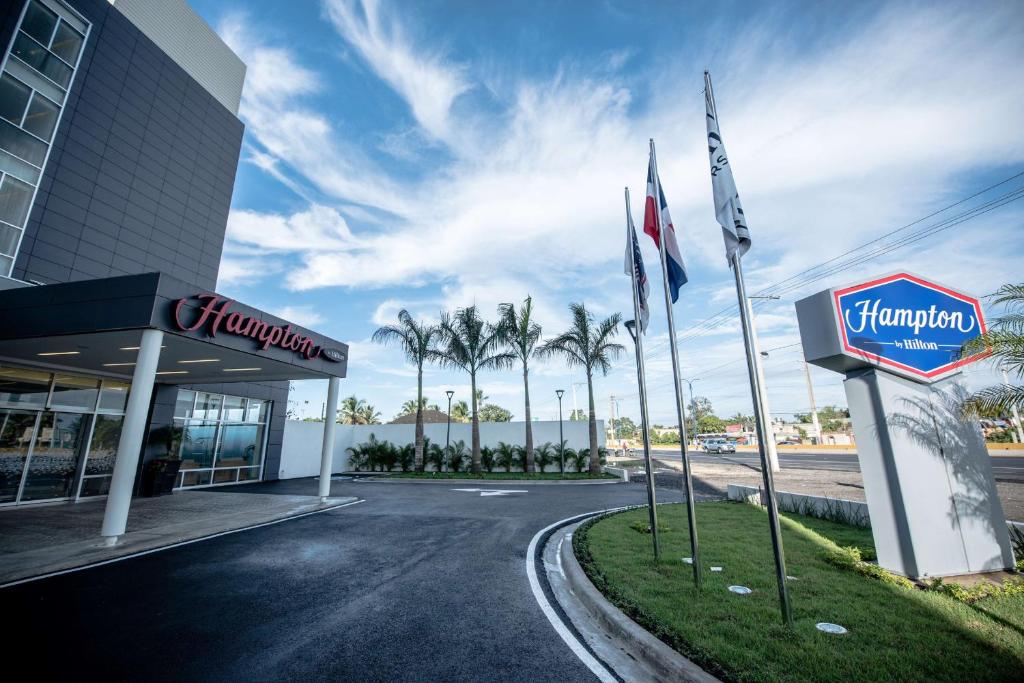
(719, 446)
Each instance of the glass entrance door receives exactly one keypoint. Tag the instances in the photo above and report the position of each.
(16, 430)
(55, 456)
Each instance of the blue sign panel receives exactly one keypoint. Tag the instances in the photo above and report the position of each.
(907, 324)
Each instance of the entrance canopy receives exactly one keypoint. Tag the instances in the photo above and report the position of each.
(95, 327)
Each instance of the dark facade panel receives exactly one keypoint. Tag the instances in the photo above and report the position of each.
(128, 160)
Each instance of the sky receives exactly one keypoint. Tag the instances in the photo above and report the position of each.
(435, 155)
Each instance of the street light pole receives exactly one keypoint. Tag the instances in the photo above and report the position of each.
(773, 452)
(561, 436)
(693, 407)
(448, 434)
(814, 409)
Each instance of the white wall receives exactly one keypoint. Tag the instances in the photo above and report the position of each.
(300, 452)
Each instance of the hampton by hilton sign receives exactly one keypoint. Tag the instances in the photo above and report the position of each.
(216, 315)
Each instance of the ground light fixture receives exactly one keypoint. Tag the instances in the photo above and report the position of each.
(826, 627)
(740, 590)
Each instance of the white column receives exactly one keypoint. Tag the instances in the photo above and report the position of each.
(327, 452)
(129, 447)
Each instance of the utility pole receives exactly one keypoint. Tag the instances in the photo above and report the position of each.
(814, 409)
(770, 448)
(611, 414)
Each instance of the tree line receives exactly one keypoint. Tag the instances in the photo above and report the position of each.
(463, 340)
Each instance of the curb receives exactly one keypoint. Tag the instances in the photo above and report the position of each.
(493, 482)
(636, 641)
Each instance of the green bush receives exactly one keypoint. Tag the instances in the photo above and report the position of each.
(850, 558)
(487, 458)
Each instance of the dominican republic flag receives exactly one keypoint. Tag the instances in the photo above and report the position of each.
(635, 267)
(652, 224)
(728, 209)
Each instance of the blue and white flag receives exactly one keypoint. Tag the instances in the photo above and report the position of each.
(728, 209)
(653, 222)
(635, 267)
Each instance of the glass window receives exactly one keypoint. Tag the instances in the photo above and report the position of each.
(256, 411)
(103, 446)
(40, 59)
(13, 99)
(183, 406)
(240, 445)
(224, 476)
(39, 22)
(95, 486)
(195, 478)
(6, 263)
(15, 200)
(16, 428)
(51, 469)
(208, 406)
(249, 474)
(197, 444)
(24, 388)
(67, 43)
(41, 118)
(234, 409)
(74, 392)
(8, 239)
(113, 396)
(21, 144)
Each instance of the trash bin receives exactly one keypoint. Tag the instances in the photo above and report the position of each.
(159, 476)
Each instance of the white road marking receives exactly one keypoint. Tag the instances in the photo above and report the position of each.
(591, 662)
(490, 492)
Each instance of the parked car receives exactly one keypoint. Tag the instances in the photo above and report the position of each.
(719, 446)
(789, 441)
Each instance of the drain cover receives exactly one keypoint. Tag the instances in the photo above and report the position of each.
(740, 590)
(826, 627)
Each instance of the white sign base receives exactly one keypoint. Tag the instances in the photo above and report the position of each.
(927, 477)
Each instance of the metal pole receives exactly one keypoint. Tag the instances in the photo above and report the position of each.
(1018, 429)
(772, 450)
(691, 513)
(448, 433)
(561, 435)
(759, 424)
(638, 346)
(814, 409)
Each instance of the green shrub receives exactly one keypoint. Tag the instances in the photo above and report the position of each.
(457, 456)
(979, 591)
(543, 455)
(487, 458)
(505, 455)
(850, 558)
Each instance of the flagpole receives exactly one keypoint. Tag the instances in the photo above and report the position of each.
(641, 380)
(691, 514)
(759, 417)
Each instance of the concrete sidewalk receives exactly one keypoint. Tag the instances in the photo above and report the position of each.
(37, 540)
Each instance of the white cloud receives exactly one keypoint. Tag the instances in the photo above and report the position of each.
(427, 81)
(316, 228)
(306, 316)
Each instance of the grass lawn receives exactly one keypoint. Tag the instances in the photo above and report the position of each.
(498, 475)
(895, 634)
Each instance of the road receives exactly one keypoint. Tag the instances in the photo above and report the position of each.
(1005, 467)
(418, 583)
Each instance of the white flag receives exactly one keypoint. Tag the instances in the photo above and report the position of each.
(728, 209)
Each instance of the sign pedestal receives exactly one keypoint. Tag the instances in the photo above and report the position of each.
(927, 478)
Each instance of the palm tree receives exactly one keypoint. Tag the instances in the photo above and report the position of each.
(460, 412)
(587, 345)
(415, 340)
(368, 415)
(351, 411)
(470, 344)
(520, 334)
(410, 406)
(1005, 342)
(545, 455)
(505, 455)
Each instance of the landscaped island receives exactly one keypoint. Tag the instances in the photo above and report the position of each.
(896, 631)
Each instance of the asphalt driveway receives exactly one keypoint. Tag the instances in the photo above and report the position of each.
(418, 583)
